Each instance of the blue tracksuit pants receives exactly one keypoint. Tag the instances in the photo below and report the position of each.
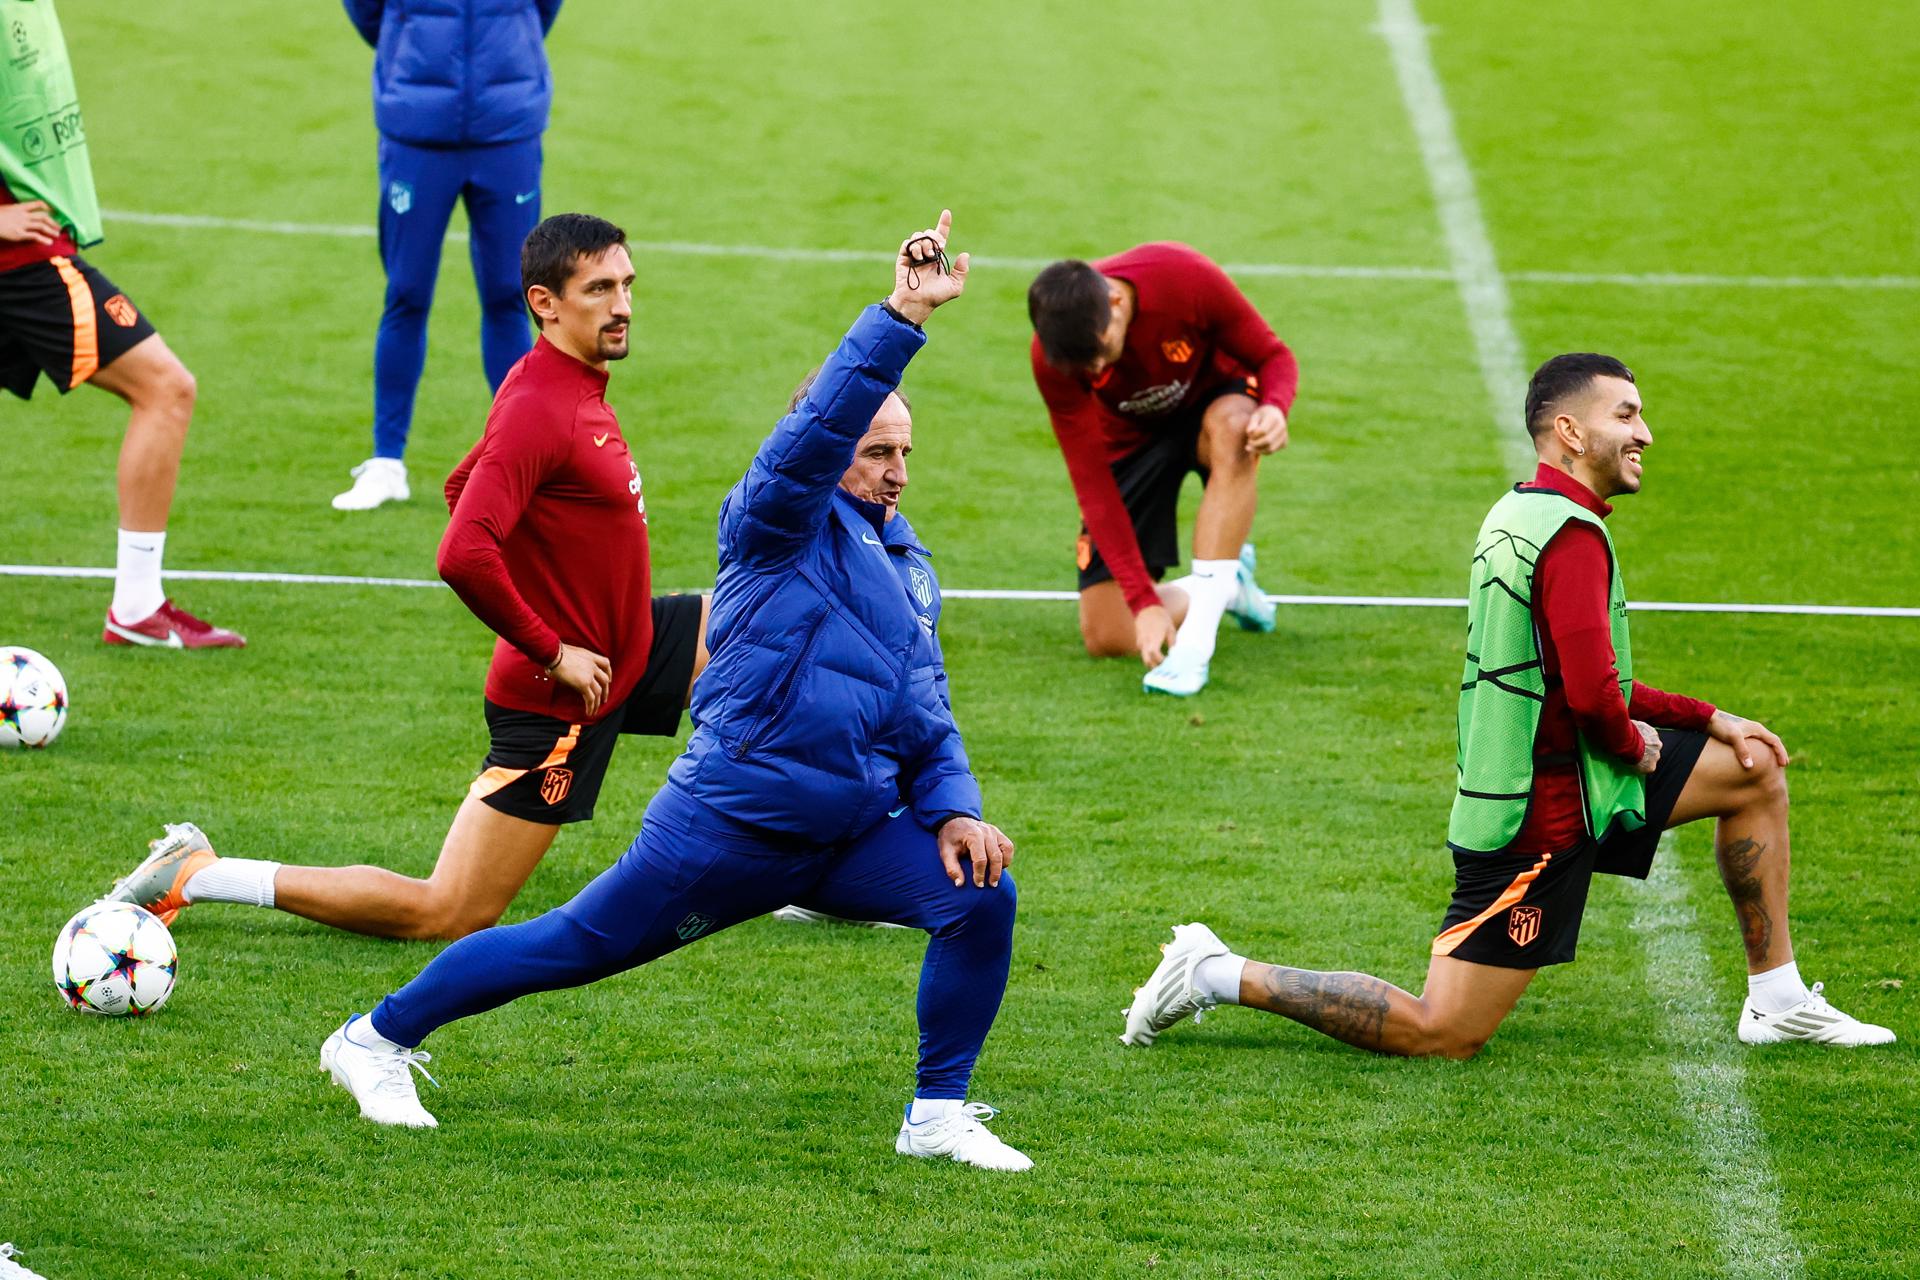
(691, 873)
(418, 187)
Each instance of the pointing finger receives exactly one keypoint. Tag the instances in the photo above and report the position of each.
(945, 225)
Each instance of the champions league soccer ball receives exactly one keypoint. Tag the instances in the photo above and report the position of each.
(33, 699)
(114, 958)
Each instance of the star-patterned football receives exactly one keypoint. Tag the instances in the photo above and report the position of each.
(115, 958)
(33, 698)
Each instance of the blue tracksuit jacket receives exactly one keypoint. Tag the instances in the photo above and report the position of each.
(458, 73)
(825, 703)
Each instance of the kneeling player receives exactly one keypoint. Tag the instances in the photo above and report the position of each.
(548, 546)
(1560, 776)
(1153, 364)
(825, 768)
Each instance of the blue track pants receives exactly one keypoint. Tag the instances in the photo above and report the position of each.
(691, 874)
(418, 187)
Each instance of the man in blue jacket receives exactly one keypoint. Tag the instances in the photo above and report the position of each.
(460, 96)
(825, 767)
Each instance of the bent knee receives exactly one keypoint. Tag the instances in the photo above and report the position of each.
(441, 918)
(1106, 645)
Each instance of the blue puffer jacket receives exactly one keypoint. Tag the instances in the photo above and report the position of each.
(825, 703)
(458, 73)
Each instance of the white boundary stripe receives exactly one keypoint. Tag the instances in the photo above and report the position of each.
(1291, 270)
(964, 593)
(1740, 1187)
(1711, 1079)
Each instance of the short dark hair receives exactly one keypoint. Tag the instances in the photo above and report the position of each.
(1559, 378)
(1069, 307)
(806, 385)
(548, 255)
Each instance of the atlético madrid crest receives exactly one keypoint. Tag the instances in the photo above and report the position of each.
(922, 586)
(1523, 925)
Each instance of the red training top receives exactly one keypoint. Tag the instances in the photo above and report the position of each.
(1192, 329)
(548, 540)
(1570, 586)
(15, 254)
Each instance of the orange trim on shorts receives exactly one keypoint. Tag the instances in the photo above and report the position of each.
(86, 334)
(1446, 942)
(500, 776)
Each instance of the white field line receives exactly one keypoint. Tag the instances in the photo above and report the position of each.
(1735, 1166)
(1710, 1077)
(1294, 270)
(964, 593)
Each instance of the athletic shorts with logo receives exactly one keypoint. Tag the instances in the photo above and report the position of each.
(1523, 911)
(61, 317)
(1150, 478)
(546, 770)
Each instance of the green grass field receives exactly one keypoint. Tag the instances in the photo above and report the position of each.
(730, 1110)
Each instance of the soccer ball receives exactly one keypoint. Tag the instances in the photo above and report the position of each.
(114, 958)
(33, 698)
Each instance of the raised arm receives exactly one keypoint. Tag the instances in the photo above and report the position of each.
(780, 504)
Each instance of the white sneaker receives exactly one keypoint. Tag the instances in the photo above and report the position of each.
(801, 915)
(1812, 1019)
(375, 481)
(381, 1080)
(1181, 677)
(959, 1135)
(11, 1270)
(1169, 994)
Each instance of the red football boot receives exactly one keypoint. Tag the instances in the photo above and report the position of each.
(171, 627)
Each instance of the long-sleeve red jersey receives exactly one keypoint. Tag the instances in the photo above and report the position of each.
(548, 540)
(1570, 588)
(1192, 329)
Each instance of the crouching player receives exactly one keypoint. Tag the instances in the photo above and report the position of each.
(1560, 774)
(824, 769)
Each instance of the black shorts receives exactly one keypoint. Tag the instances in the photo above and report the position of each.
(1530, 917)
(63, 318)
(1150, 478)
(544, 769)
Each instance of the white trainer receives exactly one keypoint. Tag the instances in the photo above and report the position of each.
(1812, 1019)
(11, 1270)
(802, 915)
(381, 1080)
(1169, 994)
(959, 1135)
(375, 481)
(1178, 676)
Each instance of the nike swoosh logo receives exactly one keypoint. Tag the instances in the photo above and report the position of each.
(601, 439)
(531, 195)
(897, 812)
(871, 541)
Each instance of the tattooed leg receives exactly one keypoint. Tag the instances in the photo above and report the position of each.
(1750, 843)
(1462, 1006)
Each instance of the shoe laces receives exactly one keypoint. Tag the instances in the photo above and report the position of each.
(393, 1070)
(1818, 1000)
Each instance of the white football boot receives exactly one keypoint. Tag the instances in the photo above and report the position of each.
(1813, 1019)
(11, 1270)
(1177, 675)
(960, 1136)
(381, 1080)
(375, 481)
(803, 915)
(1169, 994)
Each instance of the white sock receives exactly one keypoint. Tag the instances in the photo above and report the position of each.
(1777, 990)
(1209, 589)
(1218, 978)
(244, 880)
(136, 576)
(363, 1033)
(925, 1109)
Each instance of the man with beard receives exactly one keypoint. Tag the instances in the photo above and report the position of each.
(1561, 774)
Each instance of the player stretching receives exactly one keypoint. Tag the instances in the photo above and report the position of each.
(825, 767)
(61, 317)
(547, 546)
(1560, 774)
(1152, 364)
